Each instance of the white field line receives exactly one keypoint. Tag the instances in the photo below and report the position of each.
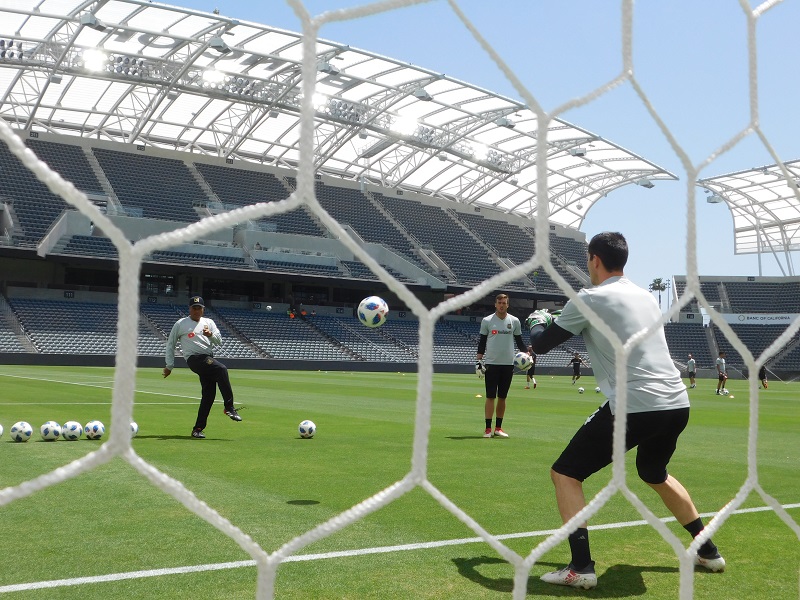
(54, 583)
(93, 385)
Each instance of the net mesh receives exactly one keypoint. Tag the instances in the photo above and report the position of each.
(132, 254)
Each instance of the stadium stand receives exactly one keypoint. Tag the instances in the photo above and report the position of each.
(152, 187)
(242, 187)
(435, 228)
(367, 344)
(686, 338)
(34, 206)
(763, 297)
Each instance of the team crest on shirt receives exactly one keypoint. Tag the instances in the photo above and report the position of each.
(209, 361)
(191, 334)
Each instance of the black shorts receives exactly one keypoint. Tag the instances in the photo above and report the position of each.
(498, 380)
(655, 433)
(723, 376)
(691, 374)
(532, 370)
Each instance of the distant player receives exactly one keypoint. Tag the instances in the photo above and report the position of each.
(762, 376)
(198, 336)
(722, 374)
(495, 361)
(691, 371)
(529, 376)
(576, 362)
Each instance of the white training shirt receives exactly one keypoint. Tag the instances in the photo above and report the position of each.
(721, 367)
(690, 365)
(190, 335)
(500, 335)
(653, 381)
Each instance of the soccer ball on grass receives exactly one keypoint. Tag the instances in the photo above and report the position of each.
(307, 429)
(597, 390)
(21, 431)
(372, 311)
(94, 430)
(50, 431)
(523, 361)
(71, 431)
(581, 390)
(134, 429)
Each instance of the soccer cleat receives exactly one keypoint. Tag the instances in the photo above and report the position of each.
(231, 412)
(715, 564)
(487, 433)
(717, 393)
(527, 387)
(500, 433)
(694, 385)
(585, 578)
(198, 433)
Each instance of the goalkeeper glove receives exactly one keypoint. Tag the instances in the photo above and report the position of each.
(539, 317)
(480, 369)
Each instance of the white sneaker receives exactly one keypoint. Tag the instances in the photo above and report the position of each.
(715, 564)
(500, 433)
(487, 433)
(568, 576)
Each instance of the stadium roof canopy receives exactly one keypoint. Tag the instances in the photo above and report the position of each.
(766, 209)
(144, 73)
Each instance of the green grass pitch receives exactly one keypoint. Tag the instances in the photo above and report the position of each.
(274, 486)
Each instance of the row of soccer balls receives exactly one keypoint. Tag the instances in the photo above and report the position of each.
(21, 431)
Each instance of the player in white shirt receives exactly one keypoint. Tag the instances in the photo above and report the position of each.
(198, 336)
(722, 373)
(495, 361)
(658, 403)
(691, 370)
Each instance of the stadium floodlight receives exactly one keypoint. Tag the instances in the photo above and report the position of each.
(480, 151)
(579, 151)
(94, 60)
(319, 101)
(212, 77)
(404, 126)
(505, 122)
(645, 183)
(715, 199)
(273, 114)
(422, 94)
(55, 78)
(218, 44)
(89, 20)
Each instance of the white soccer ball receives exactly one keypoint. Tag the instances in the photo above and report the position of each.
(372, 311)
(134, 429)
(50, 431)
(725, 392)
(523, 361)
(269, 308)
(597, 390)
(21, 431)
(307, 429)
(94, 430)
(71, 431)
(581, 390)
(1, 431)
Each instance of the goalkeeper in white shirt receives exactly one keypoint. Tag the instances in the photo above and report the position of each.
(658, 403)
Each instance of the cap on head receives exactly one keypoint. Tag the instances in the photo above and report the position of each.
(196, 301)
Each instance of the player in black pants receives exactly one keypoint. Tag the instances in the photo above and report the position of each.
(197, 336)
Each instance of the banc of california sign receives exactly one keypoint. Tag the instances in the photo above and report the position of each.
(759, 318)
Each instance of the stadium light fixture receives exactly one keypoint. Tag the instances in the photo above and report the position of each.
(505, 122)
(645, 183)
(94, 60)
(326, 67)
(55, 78)
(91, 21)
(422, 94)
(218, 44)
(715, 199)
(579, 151)
(404, 126)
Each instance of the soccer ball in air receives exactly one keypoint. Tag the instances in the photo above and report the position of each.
(50, 431)
(372, 311)
(307, 429)
(597, 390)
(21, 431)
(71, 431)
(581, 390)
(134, 429)
(523, 361)
(94, 430)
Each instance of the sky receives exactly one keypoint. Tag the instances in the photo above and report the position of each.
(690, 58)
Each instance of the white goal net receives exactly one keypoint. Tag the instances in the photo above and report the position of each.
(131, 256)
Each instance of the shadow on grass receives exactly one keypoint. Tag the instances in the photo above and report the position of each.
(618, 581)
(465, 437)
(179, 437)
(302, 502)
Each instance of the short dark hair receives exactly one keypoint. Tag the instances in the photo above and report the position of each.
(500, 297)
(611, 248)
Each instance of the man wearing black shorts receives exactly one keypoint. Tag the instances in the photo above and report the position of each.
(495, 361)
(657, 404)
(576, 362)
